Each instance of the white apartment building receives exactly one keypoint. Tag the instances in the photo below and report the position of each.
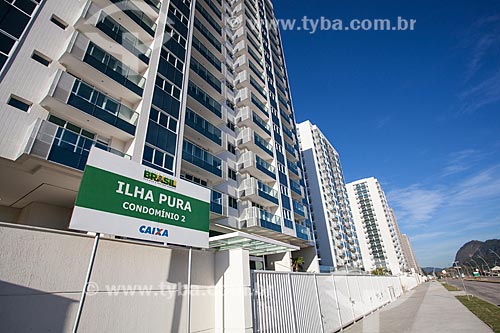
(409, 255)
(334, 229)
(376, 226)
(165, 83)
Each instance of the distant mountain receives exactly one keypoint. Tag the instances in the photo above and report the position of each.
(430, 270)
(473, 251)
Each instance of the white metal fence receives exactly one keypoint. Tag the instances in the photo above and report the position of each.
(301, 302)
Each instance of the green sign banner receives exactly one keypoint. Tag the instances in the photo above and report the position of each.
(124, 198)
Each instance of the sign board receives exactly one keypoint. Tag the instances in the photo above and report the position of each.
(124, 198)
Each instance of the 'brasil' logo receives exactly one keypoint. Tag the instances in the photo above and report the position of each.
(153, 231)
(150, 175)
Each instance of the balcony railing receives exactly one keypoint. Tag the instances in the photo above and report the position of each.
(263, 144)
(291, 149)
(265, 167)
(216, 202)
(288, 132)
(204, 99)
(263, 218)
(139, 17)
(299, 208)
(203, 126)
(96, 103)
(267, 192)
(302, 231)
(119, 34)
(296, 187)
(293, 168)
(112, 67)
(63, 146)
(201, 158)
(259, 104)
(261, 123)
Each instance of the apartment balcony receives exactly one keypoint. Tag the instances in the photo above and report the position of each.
(247, 117)
(218, 205)
(228, 91)
(291, 152)
(86, 106)
(110, 35)
(295, 172)
(297, 190)
(200, 52)
(102, 70)
(206, 81)
(252, 164)
(133, 15)
(258, 192)
(246, 98)
(245, 80)
(63, 146)
(255, 218)
(299, 210)
(248, 139)
(203, 133)
(289, 137)
(207, 107)
(302, 232)
(287, 120)
(198, 161)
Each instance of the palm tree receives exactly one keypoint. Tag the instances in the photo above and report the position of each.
(297, 263)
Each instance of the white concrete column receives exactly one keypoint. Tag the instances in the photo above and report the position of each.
(233, 302)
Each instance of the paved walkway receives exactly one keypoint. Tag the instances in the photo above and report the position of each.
(427, 308)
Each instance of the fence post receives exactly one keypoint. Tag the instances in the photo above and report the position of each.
(338, 304)
(319, 303)
(292, 301)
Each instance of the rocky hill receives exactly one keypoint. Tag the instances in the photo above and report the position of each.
(476, 249)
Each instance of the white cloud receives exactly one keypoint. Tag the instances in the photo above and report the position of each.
(416, 204)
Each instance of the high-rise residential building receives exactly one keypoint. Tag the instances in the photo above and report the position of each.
(409, 255)
(165, 83)
(376, 226)
(334, 229)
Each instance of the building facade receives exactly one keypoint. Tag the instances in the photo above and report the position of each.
(411, 259)
(192, 88)
(377, 227)
(334, 229)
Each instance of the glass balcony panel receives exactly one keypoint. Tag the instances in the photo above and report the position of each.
(216, 202)
(201, 158)
(90, 100)
(204, 127)
(113, 68)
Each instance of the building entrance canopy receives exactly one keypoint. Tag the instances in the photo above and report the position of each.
(255, 245)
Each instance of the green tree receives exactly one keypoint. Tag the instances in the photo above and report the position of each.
(380, 271)
(297, 263)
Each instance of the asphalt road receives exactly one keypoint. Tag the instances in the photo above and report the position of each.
(488, 291)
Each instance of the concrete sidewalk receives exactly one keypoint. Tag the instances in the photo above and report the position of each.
(427, 308)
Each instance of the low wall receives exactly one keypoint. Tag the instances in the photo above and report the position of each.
(135, 287)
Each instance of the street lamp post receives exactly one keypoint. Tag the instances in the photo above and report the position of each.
(455, 265)
(496, 255)
(470, 267)
(475, 262)
(484, 262)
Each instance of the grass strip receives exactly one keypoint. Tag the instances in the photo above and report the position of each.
(487, 312)
(449, 287)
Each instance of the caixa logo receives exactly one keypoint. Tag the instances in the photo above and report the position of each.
(144, 229)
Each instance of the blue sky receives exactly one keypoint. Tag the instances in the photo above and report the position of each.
(419, 110)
